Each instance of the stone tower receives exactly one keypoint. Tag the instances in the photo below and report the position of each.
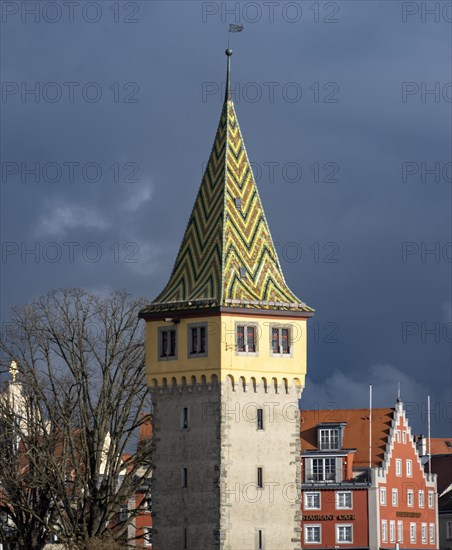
(226, 363)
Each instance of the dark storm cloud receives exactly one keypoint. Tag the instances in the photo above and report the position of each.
(370, 250)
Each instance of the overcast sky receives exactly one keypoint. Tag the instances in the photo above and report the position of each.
(345, 109)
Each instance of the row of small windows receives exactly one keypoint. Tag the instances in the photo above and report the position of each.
(312, 500)
(323, 469)
(246, 341)
(427, 532)
(313, 533)
(409, 497)
(408, 467)
(401, 436)
(329, 439)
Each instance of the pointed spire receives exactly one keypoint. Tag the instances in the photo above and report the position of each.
(227, 257)
(13, 370)
(227, 95)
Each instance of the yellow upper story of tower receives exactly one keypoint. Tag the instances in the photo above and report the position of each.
(248, 348)
(227, 274)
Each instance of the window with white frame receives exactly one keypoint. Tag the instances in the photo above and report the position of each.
(395, 497)
(412, 533)
(384, 530)
(409, 467)
(246, 339)
(344, 533)
(312, 534)
(431, 528)
(398, 436)
(404, 437)
(431, 499)
(421, 498)
(424, 533)
(410, 497)
(197, 340)
(449, 530)
(147, 536)
(324, 469)
(392, 531)
(329, 439)
(344, 500)
(398, 467)
(312, 500)
(383, 496)
(400, 531)
(167, 344)
(281, 340)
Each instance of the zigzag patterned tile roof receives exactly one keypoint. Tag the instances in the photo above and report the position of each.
(227, 257)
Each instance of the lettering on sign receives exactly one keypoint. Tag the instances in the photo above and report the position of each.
(329, 517)
(408, 514)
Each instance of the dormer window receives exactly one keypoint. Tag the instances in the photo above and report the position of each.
(329, 439)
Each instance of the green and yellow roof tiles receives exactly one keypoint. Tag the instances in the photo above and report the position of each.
(227, 257)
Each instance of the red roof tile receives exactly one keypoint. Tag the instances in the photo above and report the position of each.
(356, 433)
(439, 445)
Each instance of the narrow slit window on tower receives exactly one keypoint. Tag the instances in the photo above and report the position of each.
(167, 343)
(184, 478)
(260, 478)
(260, 539)
(184, 418)
(185, 538)
(197, 340)
(280, 341)
(246, 339)
(260, 419)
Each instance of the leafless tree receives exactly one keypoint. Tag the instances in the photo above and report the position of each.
(73, 457)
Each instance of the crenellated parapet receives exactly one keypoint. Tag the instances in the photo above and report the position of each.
(234, 382)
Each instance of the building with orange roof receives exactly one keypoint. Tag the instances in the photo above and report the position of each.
(363, 483)
(436, 454)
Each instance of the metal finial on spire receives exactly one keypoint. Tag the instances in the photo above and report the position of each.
(227, 95)
(13, 370)
(232, 28)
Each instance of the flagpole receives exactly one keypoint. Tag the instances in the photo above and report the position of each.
(428, 432)
(370, 426)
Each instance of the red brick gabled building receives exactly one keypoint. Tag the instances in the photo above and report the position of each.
(363, 484)
(436, 456)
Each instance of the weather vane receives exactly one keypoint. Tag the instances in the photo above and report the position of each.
(234, 28)
(13, 370)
